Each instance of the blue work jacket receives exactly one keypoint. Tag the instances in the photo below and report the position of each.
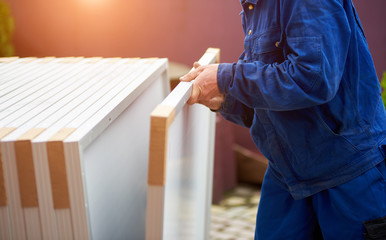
(307, 88)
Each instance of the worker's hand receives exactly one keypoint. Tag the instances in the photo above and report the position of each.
(214, 103)
(205, 89)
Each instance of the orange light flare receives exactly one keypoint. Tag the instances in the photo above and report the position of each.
(94, 3)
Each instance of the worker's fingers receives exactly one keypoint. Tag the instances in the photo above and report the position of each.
(191, 75)
(196, 92)
(205, 83)
(214, 103)
(196, 65)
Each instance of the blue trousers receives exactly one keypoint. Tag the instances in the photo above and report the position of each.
(336, 213)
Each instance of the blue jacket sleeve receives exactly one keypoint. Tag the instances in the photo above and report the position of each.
(236, 112)
(315, 39)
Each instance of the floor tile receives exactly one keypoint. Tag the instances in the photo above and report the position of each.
(235, 216)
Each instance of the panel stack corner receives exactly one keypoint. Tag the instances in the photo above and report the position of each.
(71, 132)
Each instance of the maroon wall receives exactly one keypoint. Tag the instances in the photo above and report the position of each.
(178, 29)
(372, 14)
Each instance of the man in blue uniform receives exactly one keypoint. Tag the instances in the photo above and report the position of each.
(306, 87)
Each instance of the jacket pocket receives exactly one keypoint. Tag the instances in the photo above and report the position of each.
(267, 47)
(375, 229)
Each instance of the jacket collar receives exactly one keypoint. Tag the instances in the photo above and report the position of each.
(248, 1)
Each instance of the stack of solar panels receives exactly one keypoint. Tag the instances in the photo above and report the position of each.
(74, 146)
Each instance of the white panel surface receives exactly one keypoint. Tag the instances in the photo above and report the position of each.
(115, 168)
(189, 174)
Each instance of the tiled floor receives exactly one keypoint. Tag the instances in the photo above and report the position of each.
(235, 216)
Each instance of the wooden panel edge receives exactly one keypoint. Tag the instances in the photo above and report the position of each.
(27, 59)
(8, 59)
(26, 169)
(57, 167)
(3, 193)
(215, 51)
(155, 212)
(161, 118)
(46, 59)
(71, 59)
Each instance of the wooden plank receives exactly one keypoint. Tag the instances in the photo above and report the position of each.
(161, 118)
(25, 168)
(3, 194)
(57, 166)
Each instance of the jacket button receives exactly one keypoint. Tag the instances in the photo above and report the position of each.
(250, 32)
(277, 44)
(250, 6)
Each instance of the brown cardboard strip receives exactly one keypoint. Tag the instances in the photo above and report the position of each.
(57, 166)
(3, 194)
(25, 168)
(161, 118)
